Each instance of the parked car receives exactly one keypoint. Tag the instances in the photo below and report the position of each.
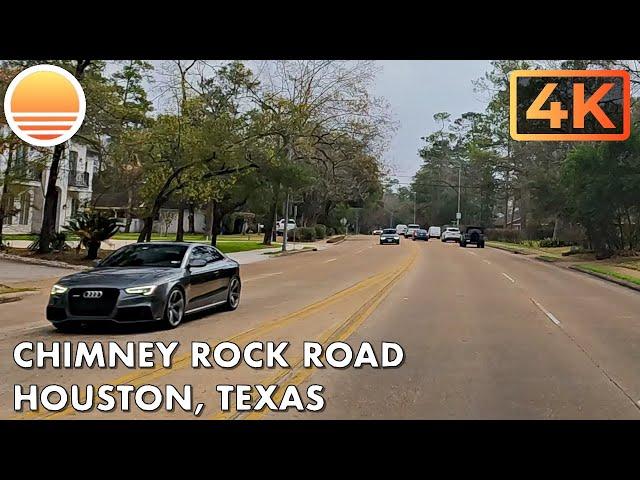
(377, 231)
(410, 229)
(400, 229)
(473, 235)
(451, 233)
(434, 232)
(421, 234)
(389, 235)
(280, 226)
(147, 282)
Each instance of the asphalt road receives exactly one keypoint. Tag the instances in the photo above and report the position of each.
(486, 334)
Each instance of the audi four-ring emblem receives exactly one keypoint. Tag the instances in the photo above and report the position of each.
(92, 294)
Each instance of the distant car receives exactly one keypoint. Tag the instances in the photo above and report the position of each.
(147, 282)
(473, 235)
(434, 232)
(421, 234)
(389, 235)
(377, 231)
(401, 228)
(410, 229)
(280, 226)
(451, 233)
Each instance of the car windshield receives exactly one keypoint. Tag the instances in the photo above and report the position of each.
(414, 226)
(145, 255)
(452, 229)
(388, 231)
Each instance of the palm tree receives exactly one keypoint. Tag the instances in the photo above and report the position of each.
(93, 228)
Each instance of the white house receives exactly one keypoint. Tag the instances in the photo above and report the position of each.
(26, 194)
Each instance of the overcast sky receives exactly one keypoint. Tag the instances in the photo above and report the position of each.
(418, 89)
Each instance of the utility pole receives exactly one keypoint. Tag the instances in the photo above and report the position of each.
(414, 207)
(459, 188)
(286, 223)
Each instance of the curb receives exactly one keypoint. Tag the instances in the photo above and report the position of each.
(602, 276)
(39, 261)
(344, 237)
(293, 252)
(510, 250)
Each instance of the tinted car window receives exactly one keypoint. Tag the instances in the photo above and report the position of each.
(389, 231)
(208, 254)
(146, 256)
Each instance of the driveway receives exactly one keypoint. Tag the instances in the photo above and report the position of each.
(12, 272)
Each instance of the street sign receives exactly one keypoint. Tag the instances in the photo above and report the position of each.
(458, 216)
(343, 221)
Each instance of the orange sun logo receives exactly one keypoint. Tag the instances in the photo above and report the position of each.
(44, 105)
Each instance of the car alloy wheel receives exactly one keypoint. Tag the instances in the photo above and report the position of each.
(233, 295)
(175, 308)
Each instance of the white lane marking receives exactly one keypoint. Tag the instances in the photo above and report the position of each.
(549, 315)
(509, 278)
(330, 260)
(264, 275)
(487, 262)
(371, 246)
(361, 250)
(470, 252)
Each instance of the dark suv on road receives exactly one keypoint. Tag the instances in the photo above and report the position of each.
(472, 235)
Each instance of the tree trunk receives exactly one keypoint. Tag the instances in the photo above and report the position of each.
(271, 222)
(5, 191)
(50, 209)
(556, 227)
(92, 250)
(216, 222)
(180, 227)
(192, 219)
(146, 227)
(128, 216)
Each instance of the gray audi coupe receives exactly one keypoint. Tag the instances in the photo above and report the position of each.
(147, 282)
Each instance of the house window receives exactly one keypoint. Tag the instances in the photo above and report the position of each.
(25, 208)
(73, 161)
(22, 155)
(9, 209)
(75, 203)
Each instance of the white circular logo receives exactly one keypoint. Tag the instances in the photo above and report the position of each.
(44, 105)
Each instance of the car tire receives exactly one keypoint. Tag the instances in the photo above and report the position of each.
(174, 309)
(233, 293)
(463, 244)
(481, 245)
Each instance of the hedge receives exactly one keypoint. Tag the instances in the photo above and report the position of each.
(321, 231)
(302, 234)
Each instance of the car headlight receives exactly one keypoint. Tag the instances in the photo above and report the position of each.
(58, 289)
(397, 237)
(147, 290)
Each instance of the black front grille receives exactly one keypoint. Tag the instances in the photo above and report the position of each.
(103, 306)
(56, 313)
(132, 314)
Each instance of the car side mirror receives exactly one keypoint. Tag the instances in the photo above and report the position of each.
(197, 263)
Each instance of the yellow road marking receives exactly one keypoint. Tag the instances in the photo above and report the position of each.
(298, 374)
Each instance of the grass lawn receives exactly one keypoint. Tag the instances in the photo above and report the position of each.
(532, 247)
(242, 246)
(612, 271)
(6, 289)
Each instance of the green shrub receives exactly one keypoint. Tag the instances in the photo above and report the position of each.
(510, 235)
(58, 243)
(321, 231)
(331, 231)
(302, 234)
(549, 243)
